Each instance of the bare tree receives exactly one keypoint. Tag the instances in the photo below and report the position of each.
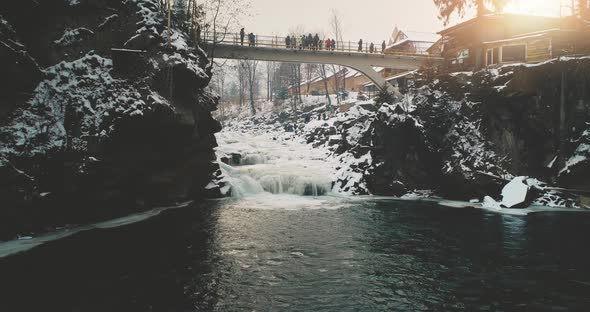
(250, 67)
(324, 76)
(219, 83)
(337, 29)
(241, 84)
(309, 70)
(271, 75)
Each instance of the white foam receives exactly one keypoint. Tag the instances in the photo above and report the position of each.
(274, 163)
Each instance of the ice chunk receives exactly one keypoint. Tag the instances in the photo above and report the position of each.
(490, 203)
(514, 192)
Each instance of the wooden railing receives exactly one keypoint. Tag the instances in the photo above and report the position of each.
(278, 42)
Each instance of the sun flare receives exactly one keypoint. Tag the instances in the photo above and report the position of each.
(534, 7)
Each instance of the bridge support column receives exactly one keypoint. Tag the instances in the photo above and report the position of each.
(376, 78)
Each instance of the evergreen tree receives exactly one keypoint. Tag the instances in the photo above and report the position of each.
(384, 96)
(179, 13)
(448, 7)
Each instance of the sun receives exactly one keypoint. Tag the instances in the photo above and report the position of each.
(534, 7)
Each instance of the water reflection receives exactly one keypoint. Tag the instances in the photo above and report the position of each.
(359, 256)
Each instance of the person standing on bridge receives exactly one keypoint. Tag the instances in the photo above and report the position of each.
(333, 44)
(316, 41)
(371, 48)
(288, 41)
(361, 45)
(383, 46)
(252, 40)
(242, 35)
(328, 44)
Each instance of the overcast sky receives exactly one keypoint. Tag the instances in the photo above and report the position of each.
(372, 20)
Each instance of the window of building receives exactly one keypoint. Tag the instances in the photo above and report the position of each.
(514, 53)
(492, 56)
(463, 56)
(496, 55)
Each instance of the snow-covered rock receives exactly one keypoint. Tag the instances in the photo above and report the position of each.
(83, 137)
(73, 36)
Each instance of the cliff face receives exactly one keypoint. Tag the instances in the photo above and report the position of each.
(100, 116)
(455, 133)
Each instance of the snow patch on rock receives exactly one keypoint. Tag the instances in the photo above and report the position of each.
(73, 36)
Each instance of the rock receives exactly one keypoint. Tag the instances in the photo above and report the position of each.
(155, 147)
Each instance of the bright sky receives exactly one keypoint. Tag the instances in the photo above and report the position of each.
(372, 20)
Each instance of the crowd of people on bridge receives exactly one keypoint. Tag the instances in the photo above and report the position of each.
(311, 42)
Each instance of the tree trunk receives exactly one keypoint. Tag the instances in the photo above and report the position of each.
(252, 107)
(324, 76)
(299, 84)
(481, 8)
(336, 83)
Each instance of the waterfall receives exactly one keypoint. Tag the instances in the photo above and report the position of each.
(264, 165)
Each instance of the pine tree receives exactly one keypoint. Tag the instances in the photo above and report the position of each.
(448, 7)
(179, 13)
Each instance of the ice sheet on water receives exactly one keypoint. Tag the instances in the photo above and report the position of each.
(20, 245)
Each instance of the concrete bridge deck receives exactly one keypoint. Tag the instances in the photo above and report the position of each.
(361, 61)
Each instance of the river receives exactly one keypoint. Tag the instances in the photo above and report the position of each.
(272, 249)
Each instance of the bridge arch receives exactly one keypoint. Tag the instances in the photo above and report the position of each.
(362, 62)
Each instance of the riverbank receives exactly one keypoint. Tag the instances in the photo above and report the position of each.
(460, 136)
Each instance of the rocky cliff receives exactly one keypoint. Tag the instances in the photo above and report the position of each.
(463, 134)
(99, 115)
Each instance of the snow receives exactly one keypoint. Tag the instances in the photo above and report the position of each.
(150, 12)
(73, 36)
(347, 179)
(490, 203)
(190, 63)
(552, 162)
(73, 2)
(581, 154)
(107, 20)
(514, 192)
(83, 87)
(178, 40)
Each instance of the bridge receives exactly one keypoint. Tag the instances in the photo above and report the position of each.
(273, 48)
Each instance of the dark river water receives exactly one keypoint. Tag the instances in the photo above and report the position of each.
(369, 255)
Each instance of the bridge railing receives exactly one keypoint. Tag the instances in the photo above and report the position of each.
(279, 42)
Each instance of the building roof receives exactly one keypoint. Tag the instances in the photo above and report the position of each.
(494, 16)
(422, 40)
(390, 78)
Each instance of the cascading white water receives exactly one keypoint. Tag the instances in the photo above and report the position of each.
(270, 164)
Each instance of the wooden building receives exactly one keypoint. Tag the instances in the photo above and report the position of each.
(412, 42)
(348, 80)
(507, 38)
